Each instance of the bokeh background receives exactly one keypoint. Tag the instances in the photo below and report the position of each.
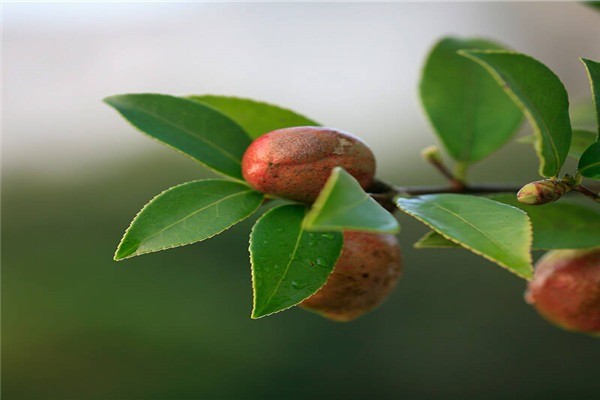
(175, 324)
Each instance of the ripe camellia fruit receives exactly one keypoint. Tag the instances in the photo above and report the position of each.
(566, 289)
(363, 277)
(295, 163)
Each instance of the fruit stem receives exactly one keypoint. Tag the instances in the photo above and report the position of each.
(432, 155)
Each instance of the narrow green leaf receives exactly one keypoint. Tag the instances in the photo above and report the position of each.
(289, 264)
(541, 96)
(188, 213)
(580, 140)
(593, 71)
(343, 205)
(589, 163)
(189, 127)
(559, 225)
(257, 118)
(433, 240)
(469, 112)
(496, 231)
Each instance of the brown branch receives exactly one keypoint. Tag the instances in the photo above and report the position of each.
(587, 192)
(384, 193)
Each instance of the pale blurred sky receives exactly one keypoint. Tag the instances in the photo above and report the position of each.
(349, 65)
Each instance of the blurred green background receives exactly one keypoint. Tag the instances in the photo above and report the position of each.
(176, 324)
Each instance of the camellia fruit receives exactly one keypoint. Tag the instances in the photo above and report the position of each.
(566, 289)
(295, 163)
(363, 277)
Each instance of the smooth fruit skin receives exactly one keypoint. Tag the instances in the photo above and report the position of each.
(363, 277)
(566, 289)
(295, 163)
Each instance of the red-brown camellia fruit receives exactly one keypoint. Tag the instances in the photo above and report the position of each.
(295, 163)
(566, 289)
(363, 277)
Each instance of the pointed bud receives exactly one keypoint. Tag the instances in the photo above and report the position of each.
(431, 154)
(542, 192)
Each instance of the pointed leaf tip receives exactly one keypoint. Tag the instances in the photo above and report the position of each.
(344, 205)
(194, 129)
(188, 213)
(289, 264)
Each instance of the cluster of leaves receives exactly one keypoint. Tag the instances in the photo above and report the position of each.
(475, 93)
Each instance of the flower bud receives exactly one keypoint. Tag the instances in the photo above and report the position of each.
(431, 154)
(542, 192)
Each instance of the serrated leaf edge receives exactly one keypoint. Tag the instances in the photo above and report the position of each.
(317, 206)
(471, 54)
(224, 174)
(193, 96)
(424, 109)
(115, 258)
(253, 277)
(419, 243)
(479, 253)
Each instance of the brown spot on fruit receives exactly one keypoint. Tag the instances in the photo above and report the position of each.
(295, 163)
(350, 291)
(566, 289)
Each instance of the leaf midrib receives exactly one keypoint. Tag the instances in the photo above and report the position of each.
(196, 212)
(502, 248)
(596, 164)
(190, 133)
(287, 267)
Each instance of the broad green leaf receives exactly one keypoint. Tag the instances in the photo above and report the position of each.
(580, 140)
(289, 264)
(541, 96)
(187, 126)
(471, 115)
(496, 231)
(433, 240)
(560, 225)
(188, 213)
(344, 205)
(589, 163)
(257, 118)
(593, 70)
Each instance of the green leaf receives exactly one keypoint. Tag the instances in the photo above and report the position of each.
(189, 127)
(580, 140)
(257, 118)
(433, 240)
(589, 163)
(559, 225)
(471, 115)
(496, 231)
(541, 96)
(343, 205)
(289, 264)
(593, 70)
(188, 213)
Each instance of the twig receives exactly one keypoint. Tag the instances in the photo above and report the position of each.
(587, 192)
